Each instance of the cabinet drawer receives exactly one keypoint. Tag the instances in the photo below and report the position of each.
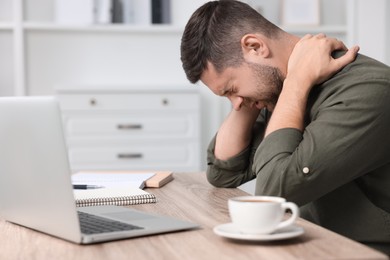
(182, 125)
(134, 157)
(129, 101)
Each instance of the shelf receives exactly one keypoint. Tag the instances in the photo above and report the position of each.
(335, 29)
(155, 28)
(103, 28)
(139, 88)
(6, 26)
(34, 26)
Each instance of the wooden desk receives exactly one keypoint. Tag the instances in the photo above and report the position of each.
(188, 197)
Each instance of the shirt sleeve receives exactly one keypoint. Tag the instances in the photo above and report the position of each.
(236, 170)
(343, 141)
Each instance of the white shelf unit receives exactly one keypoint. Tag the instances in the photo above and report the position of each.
(27, 32)
(6, 26)
(124, 28)
(36, 50)
(39, 56)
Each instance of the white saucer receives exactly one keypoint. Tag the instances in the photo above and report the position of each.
(229, 231)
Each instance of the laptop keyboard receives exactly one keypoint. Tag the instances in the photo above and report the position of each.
(91, 224)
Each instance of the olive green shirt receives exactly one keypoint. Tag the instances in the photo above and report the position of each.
(338, 169)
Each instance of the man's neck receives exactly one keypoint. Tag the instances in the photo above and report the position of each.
(283, 47)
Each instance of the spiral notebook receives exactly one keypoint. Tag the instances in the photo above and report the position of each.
(119, 196)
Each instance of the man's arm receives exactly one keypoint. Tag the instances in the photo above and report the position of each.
(237, 169)
(234, 135)
(310, 63)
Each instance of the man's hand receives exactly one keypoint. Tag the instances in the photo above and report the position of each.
(311, 62)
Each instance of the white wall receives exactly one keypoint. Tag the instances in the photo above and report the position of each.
(387, 29)
(373, 28)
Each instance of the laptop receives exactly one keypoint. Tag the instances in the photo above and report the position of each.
(35, 181)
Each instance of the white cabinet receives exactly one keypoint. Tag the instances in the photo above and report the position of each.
(131, 130)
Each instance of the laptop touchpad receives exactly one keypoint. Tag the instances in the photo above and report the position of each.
(128, 216)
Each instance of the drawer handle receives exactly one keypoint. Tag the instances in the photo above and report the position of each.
(93, 102)
(129, 126)
(165, 102)
(130, 155)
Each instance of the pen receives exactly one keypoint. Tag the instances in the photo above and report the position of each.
(86, 187)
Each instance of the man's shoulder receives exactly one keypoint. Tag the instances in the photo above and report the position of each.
(365, 72)
(364, 81)
(367, 67)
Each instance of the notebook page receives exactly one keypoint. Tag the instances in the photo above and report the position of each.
(112, 180)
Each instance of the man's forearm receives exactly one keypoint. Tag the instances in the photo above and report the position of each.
(290, 109)
(235, 133)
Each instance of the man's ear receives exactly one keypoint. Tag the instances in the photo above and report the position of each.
(254, 47)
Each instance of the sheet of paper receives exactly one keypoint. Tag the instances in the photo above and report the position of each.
(112, 179)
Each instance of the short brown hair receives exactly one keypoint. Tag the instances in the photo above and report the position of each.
(213, 33)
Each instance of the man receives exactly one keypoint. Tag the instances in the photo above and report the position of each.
(326, 146)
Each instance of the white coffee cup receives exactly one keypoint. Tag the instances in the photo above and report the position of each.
(261, 214)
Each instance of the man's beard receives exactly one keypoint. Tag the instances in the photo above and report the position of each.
(270, 77)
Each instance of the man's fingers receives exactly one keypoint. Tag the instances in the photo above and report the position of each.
(307, 36)
(337, 45)
(320, 35)
(348, 57)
